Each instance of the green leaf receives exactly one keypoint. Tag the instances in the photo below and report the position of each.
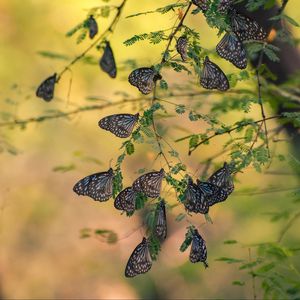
(129, 148)
(229, 260)
(230, 242)
(64, 168)
(239, 283)
(180, 109)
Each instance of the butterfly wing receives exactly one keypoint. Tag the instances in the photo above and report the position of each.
(149, 184)
(46, 88)
(202, 4)
(140, 261)
(120, 125)
(107, 62)
(198, 251)
(93, 27)
(98, 186)
(144, 79)
(126, 200)
(212, 77)
(181, 47)
(232, 49)
(161, 221)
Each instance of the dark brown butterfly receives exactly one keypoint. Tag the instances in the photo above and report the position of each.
(224, 5)
(161, 221)
(120, 125)
(92, 26)
(126, 200)
(202, 4)
(149, 184)
(107, 62)
(144, 79)
(140, 261)
(212, 77)
(46, 88)
(245, 28)
(231, 48)
(181, 47)
(98, 186)
(198, 251)
(195, 200)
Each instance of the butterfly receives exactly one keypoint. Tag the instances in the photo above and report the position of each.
(222, 178)
(107, 62)
(120, 125)
(224, 5)
(202, 4)
(212, 77)
(198, 251)
(139, 261)
(195, 200)
(245, 28)
(149, 184)
(144, 79)
(46, 88)
(181, 47)
(98, 186)
(232, 49)
(126, 200)
(161, 221)
(93, 27)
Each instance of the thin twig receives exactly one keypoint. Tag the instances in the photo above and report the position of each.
(252, 275)
(288, 226)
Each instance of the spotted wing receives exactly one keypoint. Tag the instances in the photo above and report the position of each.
(224, 5)
(245, 28)
(46, 88)
(98, 186)
(140, 261)
(126, 200)
(161, 221)
(202, 4)
(181, 47)
(120, 125)
(107, 62)
(144, 79)
(232, 49)
(93, 27)
(198, 251)
(149, 184)
(212, 77)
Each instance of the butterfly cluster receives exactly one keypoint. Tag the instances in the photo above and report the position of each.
(46, 88)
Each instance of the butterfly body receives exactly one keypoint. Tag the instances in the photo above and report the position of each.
(212, 77)
(161, 221)
(120, 125)
(98, 186)
(140, 261)
(46, 88)
(198, 251)
(126, 200)
(107, 62)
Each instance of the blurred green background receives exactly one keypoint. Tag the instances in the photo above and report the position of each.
(42, 255)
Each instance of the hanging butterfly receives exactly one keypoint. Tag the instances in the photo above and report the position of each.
(195, 200)
(245, 28)
(92, 26)
(232, 49)
(98, 186)
(198, 251)
(202, 4)
(149, 184)
(224, 5)
(212, 77)
(120, 125)
(181, 47)
(161, 221)
(139, 261)
(222, 178)
(46, 88)
(107, 62)
(126, 200)
(144, 79)
(213, 193)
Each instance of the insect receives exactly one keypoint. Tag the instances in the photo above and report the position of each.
(144, 79)
(198, 251)
(195, 200)
(126, 200)
(120, 125)
(212, 77)
(46, 88)
(98, 186)
(245, 28)
(161, 221)
(181, 47)
(107, 62)
(224, 5)
(232, 49)
(149, 184)
(92, 26)
(139, 261)
(202, 4)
